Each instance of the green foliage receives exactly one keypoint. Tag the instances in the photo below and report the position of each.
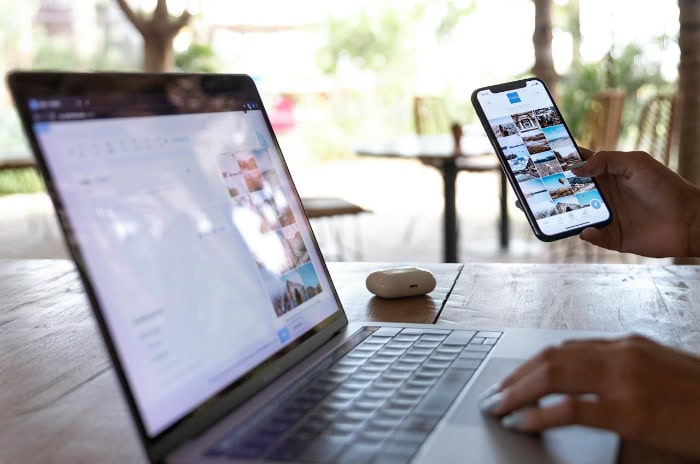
(452, 16)
(20, 181)
(381, 37)
(368, 41)
(378, 45)
(197, 58)
(627, 69)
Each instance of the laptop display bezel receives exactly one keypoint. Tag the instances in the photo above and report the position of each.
(26, 85)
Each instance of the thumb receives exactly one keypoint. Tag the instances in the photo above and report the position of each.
(604, 162)
(597, 237)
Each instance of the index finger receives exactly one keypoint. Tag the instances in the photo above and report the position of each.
(584, 345)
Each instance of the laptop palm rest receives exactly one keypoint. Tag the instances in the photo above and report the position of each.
(470, 433)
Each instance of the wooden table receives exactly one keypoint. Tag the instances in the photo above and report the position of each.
(439, 151)
(60, 401)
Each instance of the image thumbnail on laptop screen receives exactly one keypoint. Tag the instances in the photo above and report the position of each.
(185, 219)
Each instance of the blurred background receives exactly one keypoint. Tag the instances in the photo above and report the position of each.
(337, 76)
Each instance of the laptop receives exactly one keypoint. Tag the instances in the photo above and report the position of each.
(215, 303)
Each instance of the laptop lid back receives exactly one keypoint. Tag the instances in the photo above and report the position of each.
(189, 235)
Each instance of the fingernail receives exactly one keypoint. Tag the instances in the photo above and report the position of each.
(489, 391)
(514, 420)
(488, 405)
(580, 164)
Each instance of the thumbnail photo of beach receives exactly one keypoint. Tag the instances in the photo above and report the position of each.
(567, 156)
(517, 157)
(510, 142)
(538, 199)
(546, 163)
(566, 204)
(586, 197)
(503, 127)
(557, 136)
(525, 121)
(580, 184)
(557, 186)
(528, 173)
(547, 117)
(535, 142)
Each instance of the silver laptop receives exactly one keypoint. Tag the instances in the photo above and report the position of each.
(215, 303)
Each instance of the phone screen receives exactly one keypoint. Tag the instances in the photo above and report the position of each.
(537, 149)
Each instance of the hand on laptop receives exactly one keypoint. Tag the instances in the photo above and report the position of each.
(655, 211)
(643, 391)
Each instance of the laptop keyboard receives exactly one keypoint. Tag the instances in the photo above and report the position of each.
(376, 403)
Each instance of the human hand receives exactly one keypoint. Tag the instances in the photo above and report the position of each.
(643, 391)
(655, 211)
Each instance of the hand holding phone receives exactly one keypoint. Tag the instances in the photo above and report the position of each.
(536, 151)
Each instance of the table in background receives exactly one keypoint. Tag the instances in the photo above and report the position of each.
(441, 152)
(60, 400)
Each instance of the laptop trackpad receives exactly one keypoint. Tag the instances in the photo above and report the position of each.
(492, 443)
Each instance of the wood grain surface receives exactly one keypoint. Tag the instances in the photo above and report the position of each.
(657, 301)
(60, 401)
(360, 304)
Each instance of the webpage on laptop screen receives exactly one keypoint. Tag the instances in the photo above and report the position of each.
(199, 261)
(539, 151)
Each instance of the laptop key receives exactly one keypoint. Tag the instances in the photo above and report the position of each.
(441, 396)
(378, 339)
(411, 331)
(287, 450)
(387, 331)
(400, 448)
(374, 435)
(399, 345)
(426, 344)
(484, 334)
(432, 338)
(406, 338)
(245, 451)
(410, 436)
(472, 347)
(448, 349)
(315, 423)
(472, 355)
(459, 337)
(323, 449)
(463, 363)
(358, 453)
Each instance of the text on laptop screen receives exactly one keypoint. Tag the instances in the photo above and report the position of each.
(200, 256)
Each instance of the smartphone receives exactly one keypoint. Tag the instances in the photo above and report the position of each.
(536, 151)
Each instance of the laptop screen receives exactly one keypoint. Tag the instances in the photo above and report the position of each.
(195, 242)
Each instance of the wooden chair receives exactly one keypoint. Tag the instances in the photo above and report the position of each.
(430, 116)
(658, 126)
(603, 120)
(333, 208)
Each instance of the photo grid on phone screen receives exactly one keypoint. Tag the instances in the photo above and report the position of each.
(540, 154)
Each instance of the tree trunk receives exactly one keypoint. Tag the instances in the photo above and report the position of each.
(542, 42)
(158, 31)
(158, 54)
(689, 90)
